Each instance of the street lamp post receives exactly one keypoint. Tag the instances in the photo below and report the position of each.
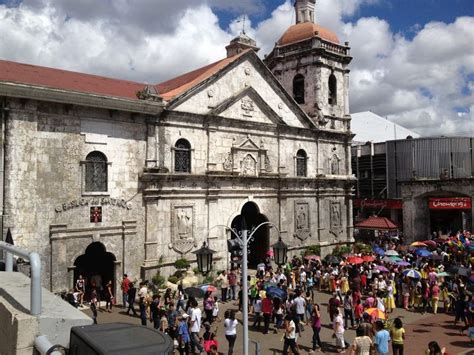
(244, 238)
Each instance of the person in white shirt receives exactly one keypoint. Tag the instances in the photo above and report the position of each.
(195, 326)
(290, 336)
(338, 327)
(300, 304)
(257, 310)
(230, 325)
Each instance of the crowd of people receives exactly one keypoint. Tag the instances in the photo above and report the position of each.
(364, 289)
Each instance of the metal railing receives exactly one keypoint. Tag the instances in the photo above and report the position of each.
(35, 263)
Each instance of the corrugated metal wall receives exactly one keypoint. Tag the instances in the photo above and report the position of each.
(428, 158)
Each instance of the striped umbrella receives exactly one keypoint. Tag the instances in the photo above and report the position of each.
(375, 313)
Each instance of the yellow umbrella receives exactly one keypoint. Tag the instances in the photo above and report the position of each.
(375, 313)
(418, 244)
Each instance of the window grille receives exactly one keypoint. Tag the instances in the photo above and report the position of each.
(96, 172)
(301, 163)
(182, 156)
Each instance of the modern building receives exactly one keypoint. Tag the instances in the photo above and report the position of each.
(426, 185)
(105, 176)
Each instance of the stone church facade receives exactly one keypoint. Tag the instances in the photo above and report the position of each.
(104, 176)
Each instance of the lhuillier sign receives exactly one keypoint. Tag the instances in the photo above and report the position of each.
(450, 203)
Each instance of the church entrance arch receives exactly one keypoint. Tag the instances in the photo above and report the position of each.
(97, 267)
(258, 247)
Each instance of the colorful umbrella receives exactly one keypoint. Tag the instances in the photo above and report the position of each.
(375, 313)
(391, 253)
(430, 243)
(354, 260)
(443, 274)
(368, 258)
(379, 251)
(418, 244)
(402, 263)
(423, 253)
(389, 260)
(270, 252)
(206, 288)
(396, 258)
(412, 273)
(274, 291)
(381, 268)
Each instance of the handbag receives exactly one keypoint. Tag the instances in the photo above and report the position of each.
(209, 343)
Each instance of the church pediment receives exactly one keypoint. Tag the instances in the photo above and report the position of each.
(247, 105)
(245, 90)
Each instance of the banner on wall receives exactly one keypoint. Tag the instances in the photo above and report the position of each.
(449, 203)
(374, 203)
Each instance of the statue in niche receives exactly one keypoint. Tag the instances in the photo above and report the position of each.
(228, 162)
(335, 165)
(248, 165)
(301, 218)
(184, 224)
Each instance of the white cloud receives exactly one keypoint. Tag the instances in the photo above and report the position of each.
(424, 82)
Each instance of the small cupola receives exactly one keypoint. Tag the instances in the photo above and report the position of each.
(241, 43)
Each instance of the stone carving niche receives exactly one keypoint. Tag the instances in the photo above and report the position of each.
(248, 159)
(302, 230)
(182, 228)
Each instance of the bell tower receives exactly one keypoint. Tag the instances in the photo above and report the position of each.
(312, 65)
(304, 10)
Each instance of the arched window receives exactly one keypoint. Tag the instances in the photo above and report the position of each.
(298, 88)
(96, 172)
(182, 156)
(332, 86)
(301, 159)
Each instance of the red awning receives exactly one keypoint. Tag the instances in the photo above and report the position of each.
(379, 223)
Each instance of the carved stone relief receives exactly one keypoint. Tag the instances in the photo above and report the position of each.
(247, 106)
(248, 166)
(227, 165)
(248, 158)
(182, 228)
(302, 223)
(335, 218)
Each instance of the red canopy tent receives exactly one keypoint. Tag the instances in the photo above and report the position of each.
(377, 223)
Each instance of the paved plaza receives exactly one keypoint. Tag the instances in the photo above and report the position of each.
(420, 330)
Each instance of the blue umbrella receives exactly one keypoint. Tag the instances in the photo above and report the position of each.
(379, 251)
(423, 253)
(273, 291)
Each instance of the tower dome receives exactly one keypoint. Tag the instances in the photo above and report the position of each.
(306, 30)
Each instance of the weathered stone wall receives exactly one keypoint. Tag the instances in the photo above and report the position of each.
(46, 144)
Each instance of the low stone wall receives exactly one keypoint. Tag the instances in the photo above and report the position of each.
(18, 329)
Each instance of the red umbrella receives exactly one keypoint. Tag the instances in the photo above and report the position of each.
(368, 258)
(355, 260)
(430, 243)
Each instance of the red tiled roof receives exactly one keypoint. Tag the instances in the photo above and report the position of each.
(94, 84)
(67, 80)
(176, 86)
(374, 222)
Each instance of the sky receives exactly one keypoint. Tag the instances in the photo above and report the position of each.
(413, 59)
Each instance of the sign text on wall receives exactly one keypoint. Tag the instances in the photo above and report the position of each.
(94, 201)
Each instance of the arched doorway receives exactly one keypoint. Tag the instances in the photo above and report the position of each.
(260, 244)
(95, 265)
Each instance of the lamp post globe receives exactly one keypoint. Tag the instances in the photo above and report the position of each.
(204, 257)
(280, 250)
